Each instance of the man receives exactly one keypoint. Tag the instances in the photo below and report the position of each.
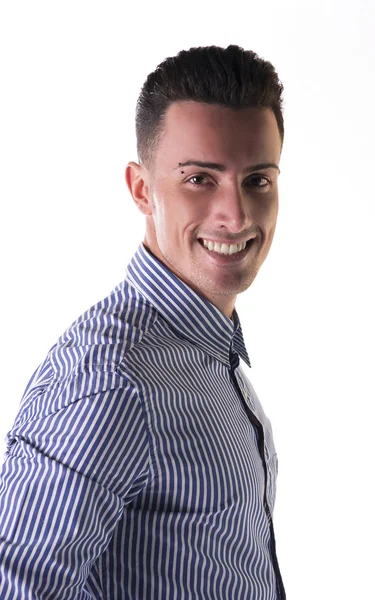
(141, 464)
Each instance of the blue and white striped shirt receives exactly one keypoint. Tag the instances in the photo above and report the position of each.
(141, 464)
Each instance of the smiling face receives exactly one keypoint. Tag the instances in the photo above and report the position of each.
(229, 196)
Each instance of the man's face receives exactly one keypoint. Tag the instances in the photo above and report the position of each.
(190, 205)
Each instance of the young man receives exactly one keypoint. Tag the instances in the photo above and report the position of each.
(141, 464)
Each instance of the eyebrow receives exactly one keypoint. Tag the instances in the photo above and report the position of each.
(223, 168)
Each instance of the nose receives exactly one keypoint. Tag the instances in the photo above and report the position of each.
(232, 210)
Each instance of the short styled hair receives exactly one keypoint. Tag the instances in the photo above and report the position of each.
(230, 77)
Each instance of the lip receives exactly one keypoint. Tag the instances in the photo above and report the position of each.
(222, 259)
(229, 242)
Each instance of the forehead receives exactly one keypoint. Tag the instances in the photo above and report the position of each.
(210, 132)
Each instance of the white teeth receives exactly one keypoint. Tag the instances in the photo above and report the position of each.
(223, 248)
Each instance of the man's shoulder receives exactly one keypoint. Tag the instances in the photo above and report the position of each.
(100, 338)
(85, 359)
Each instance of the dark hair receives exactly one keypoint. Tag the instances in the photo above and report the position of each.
(231, 77)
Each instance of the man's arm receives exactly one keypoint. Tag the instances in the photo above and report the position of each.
(69, 472)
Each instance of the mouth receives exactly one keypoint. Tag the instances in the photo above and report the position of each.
(224, 258)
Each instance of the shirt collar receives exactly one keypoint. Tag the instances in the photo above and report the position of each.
(194, 317)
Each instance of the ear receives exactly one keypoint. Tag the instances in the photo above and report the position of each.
(136, 178)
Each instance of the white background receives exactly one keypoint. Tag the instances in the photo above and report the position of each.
(70, 76)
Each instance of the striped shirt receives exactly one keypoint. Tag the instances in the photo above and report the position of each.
(141, 464)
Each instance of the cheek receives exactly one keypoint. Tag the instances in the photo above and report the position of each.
(187, 210)
(267, 214)
(177, 217)
(266, 220)
(270, 231)
(187, 217)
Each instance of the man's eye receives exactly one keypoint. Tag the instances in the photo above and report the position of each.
(259, 181)
(197, 177)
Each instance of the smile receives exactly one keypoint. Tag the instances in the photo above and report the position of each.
(227, 249)
(226, 253)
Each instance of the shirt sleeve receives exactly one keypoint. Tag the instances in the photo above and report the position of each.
(77, 454)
